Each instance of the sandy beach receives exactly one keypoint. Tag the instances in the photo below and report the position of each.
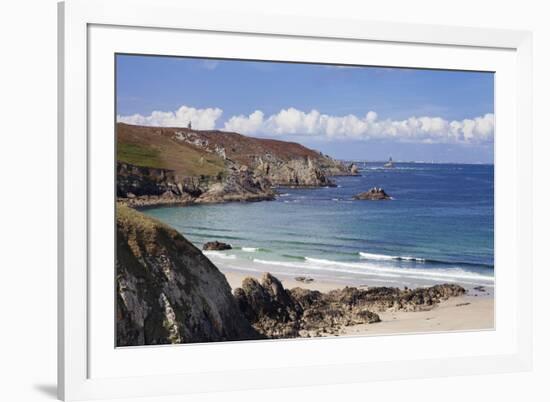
(473, 311)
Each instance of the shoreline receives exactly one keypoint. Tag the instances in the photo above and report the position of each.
(144, 202)
(472, 311)
(153, 201)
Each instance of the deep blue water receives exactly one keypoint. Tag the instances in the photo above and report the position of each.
(438, 228)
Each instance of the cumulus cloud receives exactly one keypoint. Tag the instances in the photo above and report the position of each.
(424, 129)
(201, 119)
(294, 122)
(246, 124)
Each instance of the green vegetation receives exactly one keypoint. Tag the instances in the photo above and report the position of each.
(130, 220)
(138, 155)
(148, 148)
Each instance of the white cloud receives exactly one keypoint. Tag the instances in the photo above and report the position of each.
(246, 124)
(294, 122)
(201, 119)
(425, 129)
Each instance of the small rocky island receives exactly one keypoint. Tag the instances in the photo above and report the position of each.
(374, 194)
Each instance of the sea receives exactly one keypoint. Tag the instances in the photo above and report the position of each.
(438, 228)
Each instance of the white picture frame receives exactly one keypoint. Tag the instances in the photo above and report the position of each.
(92, 31)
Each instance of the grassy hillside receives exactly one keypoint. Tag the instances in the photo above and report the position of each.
(156, 148)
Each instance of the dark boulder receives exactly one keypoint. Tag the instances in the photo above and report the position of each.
(374, 194)
(216, 246)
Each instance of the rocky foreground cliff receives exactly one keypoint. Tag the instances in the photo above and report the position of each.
(157, 165)
(168, 292)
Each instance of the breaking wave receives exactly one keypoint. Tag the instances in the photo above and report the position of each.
(219, 254)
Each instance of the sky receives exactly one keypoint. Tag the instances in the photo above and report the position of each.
(347, 112)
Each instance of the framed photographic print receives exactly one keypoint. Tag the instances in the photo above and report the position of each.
(243, 197)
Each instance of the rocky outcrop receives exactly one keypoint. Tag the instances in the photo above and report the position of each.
(168, 291)
(216, 246)
(388, 298)
(374, 194)
(303, 172)
(135, 181)
(238, 185)
(354, 169)
(140, 187)
(280, 313)
(283, 163)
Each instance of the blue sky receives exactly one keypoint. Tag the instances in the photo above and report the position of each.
(350, 113)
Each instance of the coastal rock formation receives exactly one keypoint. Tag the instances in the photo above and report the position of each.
(374, 194)
(160, 166)
(216, 246)
(239, 185)
(388, 298)
(303, 172)
(143, 186)
(168, 291)
(354, 169)
(280, 313)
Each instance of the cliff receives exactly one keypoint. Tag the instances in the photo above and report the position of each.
(168, 291)
(178, 165)
(144, 186)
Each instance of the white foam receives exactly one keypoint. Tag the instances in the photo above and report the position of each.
(249, 249)
(370, 269)
(219, 254)
(370, 256)
(279, 263)
(436, 274)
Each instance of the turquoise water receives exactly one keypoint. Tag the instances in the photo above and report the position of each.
(438, 228)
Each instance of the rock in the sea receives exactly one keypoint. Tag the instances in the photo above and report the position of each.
(216, 245)
(354, 169)
(168, 291)
(374, 194)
